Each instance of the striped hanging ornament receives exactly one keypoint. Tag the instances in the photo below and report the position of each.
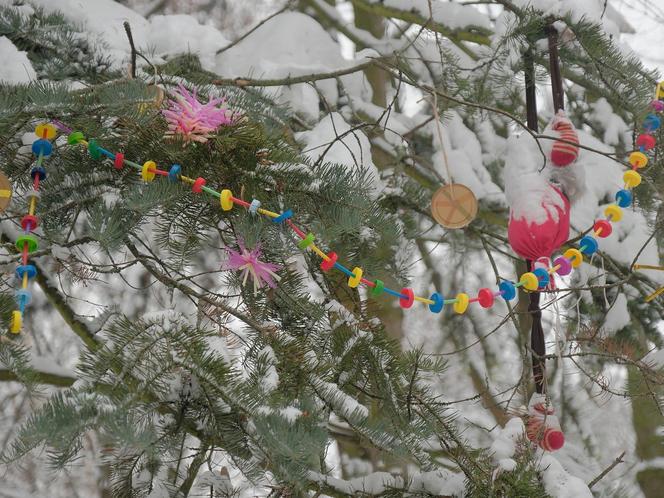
(564, 153)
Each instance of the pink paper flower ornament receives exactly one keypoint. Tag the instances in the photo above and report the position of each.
(192, 120)
(249, 263)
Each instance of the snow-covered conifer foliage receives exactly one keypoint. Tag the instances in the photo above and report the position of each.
(174, 348)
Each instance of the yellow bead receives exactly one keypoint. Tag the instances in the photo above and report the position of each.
(17, 322)
(226, 200)
(638, 159)
(530, 281)
(46, 130)
(575, 257)
(461, 304)
(354, 281)
(632, 179)
(146, 174)
(614, 212)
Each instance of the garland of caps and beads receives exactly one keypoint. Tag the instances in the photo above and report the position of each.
(532, 281)
(27, 243)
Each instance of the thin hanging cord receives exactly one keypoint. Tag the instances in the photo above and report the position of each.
(439, 129)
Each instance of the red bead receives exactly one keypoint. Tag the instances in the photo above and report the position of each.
(646, 141)
(197, 187)
(407, 302)
(553, 440)
(603, 228)
(485, 297)
(327, 264)
(118, 162)
(29, 221)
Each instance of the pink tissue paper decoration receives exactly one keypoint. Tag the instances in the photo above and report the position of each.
(192, 120)
(250, 264)
(532, 240)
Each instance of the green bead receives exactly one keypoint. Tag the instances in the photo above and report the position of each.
(75, 137)
(306, 242)
(93, 149)
(378, 288)
(33, 244)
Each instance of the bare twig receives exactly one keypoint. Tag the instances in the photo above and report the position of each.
(601, 475)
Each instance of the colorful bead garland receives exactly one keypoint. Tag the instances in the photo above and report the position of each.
(532, 281)
(26, 242)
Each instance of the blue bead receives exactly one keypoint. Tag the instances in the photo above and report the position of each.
(174, 172)
(253, 207)
(651, 123)
(507, 290)
(588, 245)
(623, 198)
(23, 298)
(542, 276)
(438, 303)
(283, 216)
(38, 170)
(42, 147)
(31, 270)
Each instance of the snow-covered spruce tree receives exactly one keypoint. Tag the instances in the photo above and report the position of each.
(148, 367)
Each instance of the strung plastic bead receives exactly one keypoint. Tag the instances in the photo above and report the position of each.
(307, 241)
(29, 270)
(638, 159)
(23, 298)
(226, 200)
(564, 265)
(45, 130)
(147, 172)
(485, 297)
(614, 212)
(530, 281)
(588, 245)
(507, 290)
(542, 277)
(407, 301)
(651, 123)
(575, 256)
(198, 184)
(327, 264)
(624, 198)
(438, 303)
(253, 207)
(30, 194)
(378, 288)
(283, 216)
(657, 105)
(17, 322)
(355, 280)
(29, 222)
(602, 228)
(42, 147)
(461, 304)
(118, 162)
(646, 141)
(38, 170)
(31, 240)
(75, 137)
(632, 179)
(174, 172)
(94, 150)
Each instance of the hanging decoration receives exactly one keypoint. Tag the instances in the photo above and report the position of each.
(192, 120)
(454, 205)
(565, 151)
(249, 263)
(27, 243)
(542, 426)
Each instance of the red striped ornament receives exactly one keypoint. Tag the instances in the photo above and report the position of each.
(564, 153)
